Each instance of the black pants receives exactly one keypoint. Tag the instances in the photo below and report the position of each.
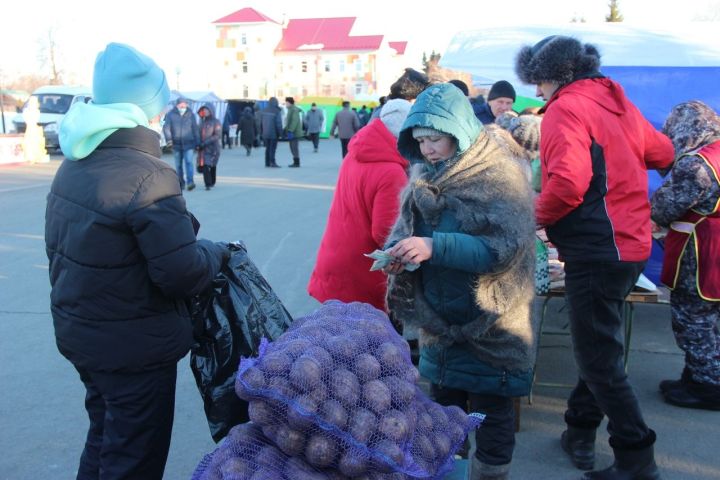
(209, 176)
(226, 139)
(495, 438)
(344, 144)
(315, 137)
(595, 293)
(294, 150)
(131, 418)
(270, 149)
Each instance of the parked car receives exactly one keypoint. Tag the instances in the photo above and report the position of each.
(54, 101)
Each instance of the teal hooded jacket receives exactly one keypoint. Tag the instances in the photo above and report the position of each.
(448, 279)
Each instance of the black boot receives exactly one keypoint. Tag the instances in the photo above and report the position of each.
(579, 443)
(667, 385)
(694, 395)
(629, 465)
(295, 164)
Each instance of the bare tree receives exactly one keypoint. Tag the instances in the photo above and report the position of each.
(615, 15)
(48, 56)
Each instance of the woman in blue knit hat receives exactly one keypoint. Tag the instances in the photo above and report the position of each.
(123, 257)
(466, 218)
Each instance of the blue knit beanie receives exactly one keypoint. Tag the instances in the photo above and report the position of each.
(124, 75)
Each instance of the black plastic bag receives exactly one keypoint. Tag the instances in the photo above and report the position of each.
(229, 321)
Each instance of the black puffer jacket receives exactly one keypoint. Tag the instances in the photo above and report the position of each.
(123, 255)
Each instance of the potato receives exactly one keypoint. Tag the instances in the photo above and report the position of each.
(321, 450)
(391, 358)
(412, 375)
(366, 367)
(236, 468)
(300, 413)
(424, 423)
(279, 385)
(344, 386)
(262, 413)
(352, 463)
(442, 445)
(341, 348)
(402, 392)
(333, 413)
(296, 347)
(319, 393)
(275, 363)
(390, 454)
(422, 447)
(320, 355)
(268, 457)
(375, 330)
(394, 426)
(290, 441)
(305, 373)
(376, 396)
(439, 418)
(250, 380)
(270, 432)
(296, 469)
(363, 424)
(457, 415)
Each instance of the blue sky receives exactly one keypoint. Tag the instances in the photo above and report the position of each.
(177, 33)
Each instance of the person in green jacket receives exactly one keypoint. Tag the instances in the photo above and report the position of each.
(293, 129)
(466, 218)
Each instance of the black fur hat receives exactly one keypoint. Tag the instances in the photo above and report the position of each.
(556, 59)
(409, 85)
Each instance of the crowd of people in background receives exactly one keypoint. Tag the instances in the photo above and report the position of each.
(453, 189)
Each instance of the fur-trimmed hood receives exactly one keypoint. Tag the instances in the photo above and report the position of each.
(556, 59)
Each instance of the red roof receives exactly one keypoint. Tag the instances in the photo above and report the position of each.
(399, 47)
(325, 34)
(245, 15)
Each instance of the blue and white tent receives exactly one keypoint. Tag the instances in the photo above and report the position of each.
(659, 67)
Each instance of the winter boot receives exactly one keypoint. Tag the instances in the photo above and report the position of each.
(478, 470)
(695, 395)
(295, 164)
(667, 385)
(579, 443)
(629, 465)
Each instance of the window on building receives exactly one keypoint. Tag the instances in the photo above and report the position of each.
(244, 67)
(358, 88)
(280, 67)
(341, 66)
(280, 93)
(303, 67)
(358, 65)
(243, 39)
(304, 91)
(246, 91)
(327, 90)
(327, 65)
(343, 91)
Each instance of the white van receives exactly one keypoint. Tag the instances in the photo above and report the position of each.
(54, 102)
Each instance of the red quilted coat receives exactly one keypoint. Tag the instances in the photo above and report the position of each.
(363, 210)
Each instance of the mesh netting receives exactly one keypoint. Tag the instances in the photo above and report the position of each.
(339, 391)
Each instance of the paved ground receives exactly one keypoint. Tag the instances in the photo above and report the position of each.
(280, 214)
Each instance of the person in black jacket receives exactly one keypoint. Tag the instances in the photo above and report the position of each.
(123, 258)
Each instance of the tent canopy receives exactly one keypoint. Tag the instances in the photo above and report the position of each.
(199, 98)
(657, 67)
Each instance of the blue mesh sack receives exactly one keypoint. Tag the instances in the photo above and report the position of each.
(339, 390)
(246, 454)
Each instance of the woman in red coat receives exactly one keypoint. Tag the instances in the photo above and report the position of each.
(363, 210)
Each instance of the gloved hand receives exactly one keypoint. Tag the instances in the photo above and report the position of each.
(290, 135)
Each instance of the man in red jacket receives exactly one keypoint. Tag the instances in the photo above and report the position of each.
(595, 150)
(363, 210)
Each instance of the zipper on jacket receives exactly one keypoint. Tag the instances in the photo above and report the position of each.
(442, 367)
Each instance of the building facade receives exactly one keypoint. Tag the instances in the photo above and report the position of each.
(258, 57)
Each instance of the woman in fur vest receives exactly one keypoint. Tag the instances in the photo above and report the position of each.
(466, 218)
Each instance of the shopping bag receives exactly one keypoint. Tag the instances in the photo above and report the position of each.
(229, 321)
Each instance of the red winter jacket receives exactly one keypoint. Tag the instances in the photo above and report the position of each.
(363, 210)
(595, 150)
